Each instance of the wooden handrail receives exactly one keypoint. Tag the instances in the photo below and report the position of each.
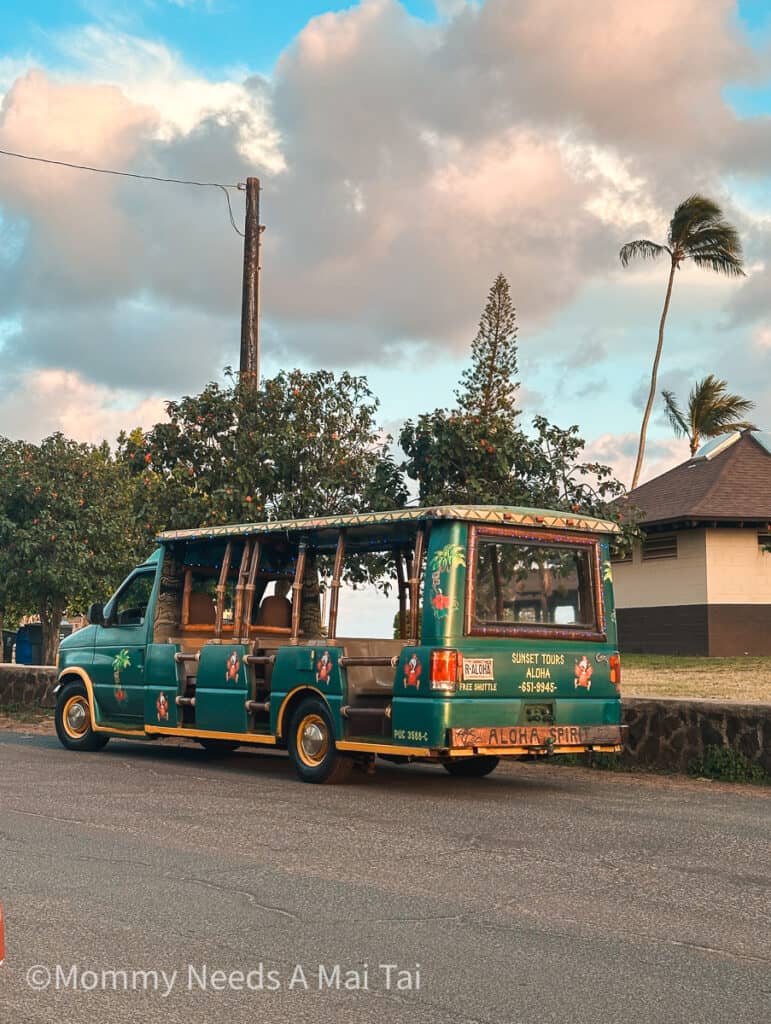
(380, 661)
(347, 710)
(271, 630)
(257, 705)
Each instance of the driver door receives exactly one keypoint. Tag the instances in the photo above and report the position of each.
(118, 671)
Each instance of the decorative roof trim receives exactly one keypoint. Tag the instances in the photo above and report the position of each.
(510, 516)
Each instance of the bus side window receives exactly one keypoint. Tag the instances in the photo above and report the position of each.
(131, 603)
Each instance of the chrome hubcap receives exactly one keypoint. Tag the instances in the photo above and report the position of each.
(313, 740)
(76, 717)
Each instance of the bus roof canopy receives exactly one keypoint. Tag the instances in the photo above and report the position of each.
(492, 514)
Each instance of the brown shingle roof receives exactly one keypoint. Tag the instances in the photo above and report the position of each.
(734, 485)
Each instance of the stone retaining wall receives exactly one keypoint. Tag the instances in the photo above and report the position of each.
(27, 685)
(668, 732)
(663, 733)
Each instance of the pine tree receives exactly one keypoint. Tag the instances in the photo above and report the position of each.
(487, 386)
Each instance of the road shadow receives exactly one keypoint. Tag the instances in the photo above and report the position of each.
(401, 779)
(510, 778)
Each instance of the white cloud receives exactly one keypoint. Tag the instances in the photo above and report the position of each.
(41, 402)
(150, 74)
(762, 340)
(404, 164)
(620, 452)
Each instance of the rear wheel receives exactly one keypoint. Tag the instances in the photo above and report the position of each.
(311, 744)
(73, 719)
(471, 767)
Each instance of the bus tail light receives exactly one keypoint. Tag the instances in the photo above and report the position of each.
(614, 663)
(445, 669)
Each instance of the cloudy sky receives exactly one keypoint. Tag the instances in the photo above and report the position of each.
(408, 152)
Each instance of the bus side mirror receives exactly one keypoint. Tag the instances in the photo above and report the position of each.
(95, 614)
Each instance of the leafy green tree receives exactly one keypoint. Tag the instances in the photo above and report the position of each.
(477, 453)
(301, 444)
(459, 458)
(488, 387)
(67, 531)
(465, 455)
(699, 232)
(711, 410)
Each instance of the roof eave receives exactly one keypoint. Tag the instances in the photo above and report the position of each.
(504, 515)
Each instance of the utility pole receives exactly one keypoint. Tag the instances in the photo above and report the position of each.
(250, 300)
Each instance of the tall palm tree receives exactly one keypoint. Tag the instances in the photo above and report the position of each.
(711, 411)
(698, 232)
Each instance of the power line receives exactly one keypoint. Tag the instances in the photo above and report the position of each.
(131, 174)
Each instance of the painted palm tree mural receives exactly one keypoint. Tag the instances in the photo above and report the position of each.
(444, 561)
(120, 662)
(699, 232)
(711, 411)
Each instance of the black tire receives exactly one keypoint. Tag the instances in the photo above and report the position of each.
(219, 748)
(73, 720)
(311, 744)
(472, 767)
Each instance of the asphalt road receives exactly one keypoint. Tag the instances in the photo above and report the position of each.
(539, 894)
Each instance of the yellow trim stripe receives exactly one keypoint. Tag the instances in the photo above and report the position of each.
(86, 679)
(285, 701)
(384, 748)
(205, 734)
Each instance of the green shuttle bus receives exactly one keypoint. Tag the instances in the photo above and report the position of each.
(503, 645)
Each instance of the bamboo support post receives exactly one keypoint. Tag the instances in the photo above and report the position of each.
(402, 586)
(336, 574)
(243, 573)
(251, 585)
(221, 587)
(414, 584)
(186, 592)
(297, 590)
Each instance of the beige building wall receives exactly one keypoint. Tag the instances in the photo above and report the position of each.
(662, 582)
(738, 570)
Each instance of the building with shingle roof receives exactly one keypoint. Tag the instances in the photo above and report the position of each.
(700, 581)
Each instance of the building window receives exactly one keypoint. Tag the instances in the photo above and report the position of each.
(764, 542)
(659, 546)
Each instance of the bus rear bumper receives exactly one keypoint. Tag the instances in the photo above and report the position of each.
(536, 739)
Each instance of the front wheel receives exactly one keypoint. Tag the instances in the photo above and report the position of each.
(471, 767)
(311, 744)
(73, 720)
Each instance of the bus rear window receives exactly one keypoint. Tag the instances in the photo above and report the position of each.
(520, 584)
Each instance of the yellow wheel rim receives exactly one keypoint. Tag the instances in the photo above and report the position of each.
(312, 740)
(75, 717)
